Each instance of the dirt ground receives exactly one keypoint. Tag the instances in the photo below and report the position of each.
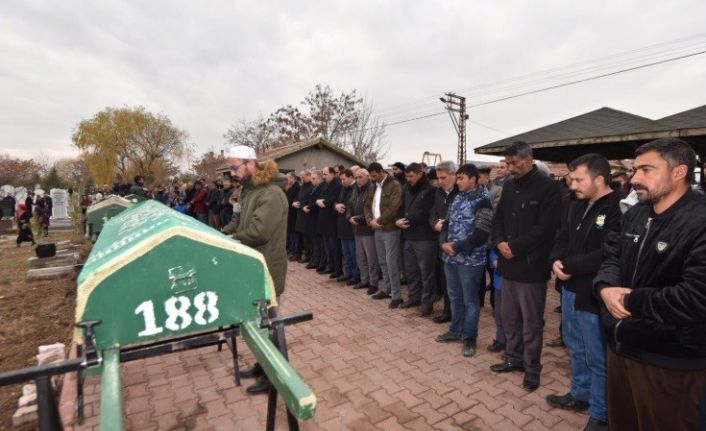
(31, 314)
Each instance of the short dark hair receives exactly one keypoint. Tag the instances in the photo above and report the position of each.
(138, 178)
(347, 172)
(469, 169)
(413, 167)
(675, 151)
(596, 165)
(520, 149)
(341, 168)
(327, 168)
(375, 167)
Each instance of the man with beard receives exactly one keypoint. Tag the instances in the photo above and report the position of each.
(576, 258)
(262, 225)
(652, 284)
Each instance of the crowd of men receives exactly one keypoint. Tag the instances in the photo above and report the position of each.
(626, 256)
(633, 285)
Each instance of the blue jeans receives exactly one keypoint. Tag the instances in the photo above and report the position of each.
(351, 267)
(463, 284)
(584, 339)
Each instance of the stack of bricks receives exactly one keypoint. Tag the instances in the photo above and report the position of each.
(27, 404)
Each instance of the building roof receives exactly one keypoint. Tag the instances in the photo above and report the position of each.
(608, 131)
(285, 150)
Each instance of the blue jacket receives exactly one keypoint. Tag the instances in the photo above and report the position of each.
(468, 227)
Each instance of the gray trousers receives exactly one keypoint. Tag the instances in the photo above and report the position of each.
(387, 245)
(523, 322)
(419, 259)
(367, 258)
(497, 314)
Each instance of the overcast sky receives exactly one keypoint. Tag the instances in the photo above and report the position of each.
(207, 64)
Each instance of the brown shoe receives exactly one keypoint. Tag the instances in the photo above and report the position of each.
(425, 310)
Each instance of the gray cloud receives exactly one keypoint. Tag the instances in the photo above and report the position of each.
(206, 65)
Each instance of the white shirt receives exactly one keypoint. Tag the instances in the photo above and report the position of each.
(377, 197)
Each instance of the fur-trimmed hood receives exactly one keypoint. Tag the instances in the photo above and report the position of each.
(266, 174)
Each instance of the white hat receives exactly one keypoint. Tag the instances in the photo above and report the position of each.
(242, 152)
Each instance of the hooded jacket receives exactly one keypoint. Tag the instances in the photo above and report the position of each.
(263, 220)
(579, 245)
(661, 257)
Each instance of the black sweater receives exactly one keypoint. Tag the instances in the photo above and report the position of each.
(416, 203)
(527, 218)
(579, 245)
(662, 259)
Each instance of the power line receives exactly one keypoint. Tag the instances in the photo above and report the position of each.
(552, 87)
(659, 49)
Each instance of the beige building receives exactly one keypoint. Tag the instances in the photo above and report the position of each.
(307, 154)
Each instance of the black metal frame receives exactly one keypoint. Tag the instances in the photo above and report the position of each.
(87, 356)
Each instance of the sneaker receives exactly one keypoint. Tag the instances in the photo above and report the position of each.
(448, 337)
(395, 303)
(469, 348)
(496, 347)
(530, 382)
(567, 402)
(380, 295)
(596, 425)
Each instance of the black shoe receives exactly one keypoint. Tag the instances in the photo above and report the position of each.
(371, 290)
(380, 295)
(311, 265)
(425, 310)
(530, 382)
(303, 260)
(442, 318)
(469, 348)
(326, 271)
(506, 367)
(395, 303)
(341, 278)
(334, 274)
(321, 269)
(254, 371)
(447, 337)
(411, 303)
(496, 347)
(567, 402)
(262, 386)
(353, 282)
(596, 425)
(361, 286)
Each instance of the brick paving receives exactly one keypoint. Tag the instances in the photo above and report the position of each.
(371, 369)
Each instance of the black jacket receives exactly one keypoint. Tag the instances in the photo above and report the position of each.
(662, 258)
(356, 208)
(292, 195)
(442, 202)
(417, 202)
(527, 218)
(328, 217)
(579, 245)
(344, 228)
(312, 219)
(304, 193)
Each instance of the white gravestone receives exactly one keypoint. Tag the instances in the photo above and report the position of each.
(60, 209)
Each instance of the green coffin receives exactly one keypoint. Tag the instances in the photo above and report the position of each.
(155, 273)
(99, 213)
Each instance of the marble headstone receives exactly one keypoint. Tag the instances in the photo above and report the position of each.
(60, 209)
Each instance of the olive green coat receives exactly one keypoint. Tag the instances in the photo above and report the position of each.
(263, 221)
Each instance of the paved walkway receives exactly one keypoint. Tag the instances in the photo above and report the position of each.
(371, 369)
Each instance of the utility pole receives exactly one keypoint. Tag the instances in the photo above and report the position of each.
(456, 105)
